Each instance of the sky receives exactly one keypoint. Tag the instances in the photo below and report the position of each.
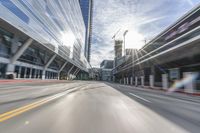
(144, 19)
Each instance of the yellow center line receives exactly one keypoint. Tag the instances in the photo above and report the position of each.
(15, 112)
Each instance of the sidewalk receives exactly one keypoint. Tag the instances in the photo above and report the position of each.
(164, 90)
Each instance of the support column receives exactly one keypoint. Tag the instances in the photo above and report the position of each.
(131, 80)
(11, 66)
(68, 74)
(19, 73)
(165, 82)
(25, 71)
(21, 50)
(47, 65)
(62, 67)
(151, 78)
(30, 73)
(136, 81)
(127, 81)
(124, 80)
(77, 71)
(142, 80)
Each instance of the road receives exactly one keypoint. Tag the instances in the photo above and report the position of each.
(94, 107)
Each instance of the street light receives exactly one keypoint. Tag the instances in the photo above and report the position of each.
(124, 41)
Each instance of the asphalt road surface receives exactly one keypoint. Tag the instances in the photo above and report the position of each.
(94, 107)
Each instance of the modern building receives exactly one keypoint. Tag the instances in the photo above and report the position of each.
(118, 48)
(87, 11)
(118, 52)
(41, 39)
(173, 55)
(94, 73)
(106, 70)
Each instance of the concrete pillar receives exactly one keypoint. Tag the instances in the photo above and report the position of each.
(43, 74)
(77, 72)
(136, 81)
(30, 73)
(50, 61)
(14, 44)
(35, 73)
(68, 74)
(127, 81)
(13, 59)
(47, 65)
(124, 80)
(10, 69)
(19, 73)
(151, 79)
(62, 67)
(25, 71)
(21, 50)
(190, 85)
(165, 82)
(142, 80)
(131, 80)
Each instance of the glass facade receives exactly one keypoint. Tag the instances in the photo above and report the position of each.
(86, 7)
(56, 24)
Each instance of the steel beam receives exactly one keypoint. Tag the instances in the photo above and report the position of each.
(75, 71)
(63, 66)
(50, 61)
(70, 70)
(47, 65)
(21, 50)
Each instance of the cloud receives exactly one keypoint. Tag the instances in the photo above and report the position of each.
(190, 2)
(144, 20)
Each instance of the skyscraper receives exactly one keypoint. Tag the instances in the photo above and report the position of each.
(87, 7)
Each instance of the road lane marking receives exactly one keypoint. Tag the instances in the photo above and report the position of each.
(20, 110)
(140, 97)
(23, 109)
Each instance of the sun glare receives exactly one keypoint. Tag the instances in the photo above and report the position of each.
(68, 38)
(134, 40)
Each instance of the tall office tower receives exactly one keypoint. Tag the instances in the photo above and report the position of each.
(118, 51)
(87, 11)
(118, 48)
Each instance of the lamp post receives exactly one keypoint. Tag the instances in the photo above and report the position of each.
(124, 41)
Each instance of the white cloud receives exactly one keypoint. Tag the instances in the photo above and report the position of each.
(190, 2)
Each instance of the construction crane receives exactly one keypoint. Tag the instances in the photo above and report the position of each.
(116, 34)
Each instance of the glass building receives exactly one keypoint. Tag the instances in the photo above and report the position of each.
(43, 33)
(87, 7)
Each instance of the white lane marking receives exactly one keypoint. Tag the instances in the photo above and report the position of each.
(140, 97)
